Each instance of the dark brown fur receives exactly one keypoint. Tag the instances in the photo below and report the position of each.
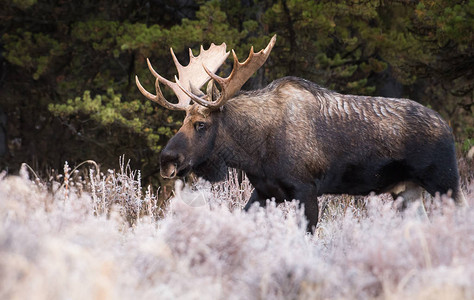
(296, 140)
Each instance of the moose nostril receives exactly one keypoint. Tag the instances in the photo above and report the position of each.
(172, 157)
(173, 173)
(168, 156)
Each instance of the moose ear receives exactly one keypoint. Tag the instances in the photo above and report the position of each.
(212, 91)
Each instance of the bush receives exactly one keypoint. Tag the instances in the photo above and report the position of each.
(105, 238)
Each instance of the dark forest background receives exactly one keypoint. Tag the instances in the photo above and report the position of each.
(67, 68)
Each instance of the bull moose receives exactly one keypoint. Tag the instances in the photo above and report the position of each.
(297, 140)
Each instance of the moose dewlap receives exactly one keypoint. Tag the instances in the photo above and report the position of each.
(297, 140)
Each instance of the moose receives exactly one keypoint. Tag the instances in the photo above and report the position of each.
(297, 140)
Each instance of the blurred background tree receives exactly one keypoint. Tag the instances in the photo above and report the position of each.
(67, 89)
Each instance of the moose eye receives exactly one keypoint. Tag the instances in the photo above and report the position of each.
(199, 126)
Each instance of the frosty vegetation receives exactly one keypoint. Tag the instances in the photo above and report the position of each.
(103, 237)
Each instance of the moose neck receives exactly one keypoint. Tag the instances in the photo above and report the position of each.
(243, 133)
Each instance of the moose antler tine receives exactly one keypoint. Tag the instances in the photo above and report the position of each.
(143, 90)
(159, 93)
(213, 76)
(210, 87)
(212, 92)
(175, 60)
(224, 46)
(195, 98)
(158, 76)
(268, 49)
(152, 70)
(159, 98)
(242, 71)
(271, 44)
(236, 59)
(249, 58)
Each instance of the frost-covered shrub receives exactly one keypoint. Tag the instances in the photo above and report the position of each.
(104, 243)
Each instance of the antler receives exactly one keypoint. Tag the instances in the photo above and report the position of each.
(237, 78)
(191, 77)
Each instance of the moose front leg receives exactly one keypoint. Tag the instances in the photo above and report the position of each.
(255, 198)
(306, 197)
(311, 211)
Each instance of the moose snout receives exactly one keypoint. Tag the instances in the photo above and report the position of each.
(171, 162)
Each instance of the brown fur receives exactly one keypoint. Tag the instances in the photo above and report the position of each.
(296, 140)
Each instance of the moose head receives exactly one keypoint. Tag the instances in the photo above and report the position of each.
(193, 145)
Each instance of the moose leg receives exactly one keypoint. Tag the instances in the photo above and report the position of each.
(456, 193)
(445, 182)
(410, 192)
(255, 198)
(308, 197)
(311, 211)
(440, 175)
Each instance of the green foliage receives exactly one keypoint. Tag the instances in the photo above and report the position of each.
(24, 4)
(70, 66)
(330, 43)
(109, 110)
(468, 144)
(447, 21)
(32, 51)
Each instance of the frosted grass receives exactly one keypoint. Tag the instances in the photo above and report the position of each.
(104, 238)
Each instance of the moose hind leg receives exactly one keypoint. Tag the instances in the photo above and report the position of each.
(441, 175)
(410, 192)
(445, 183)
(458, 196)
